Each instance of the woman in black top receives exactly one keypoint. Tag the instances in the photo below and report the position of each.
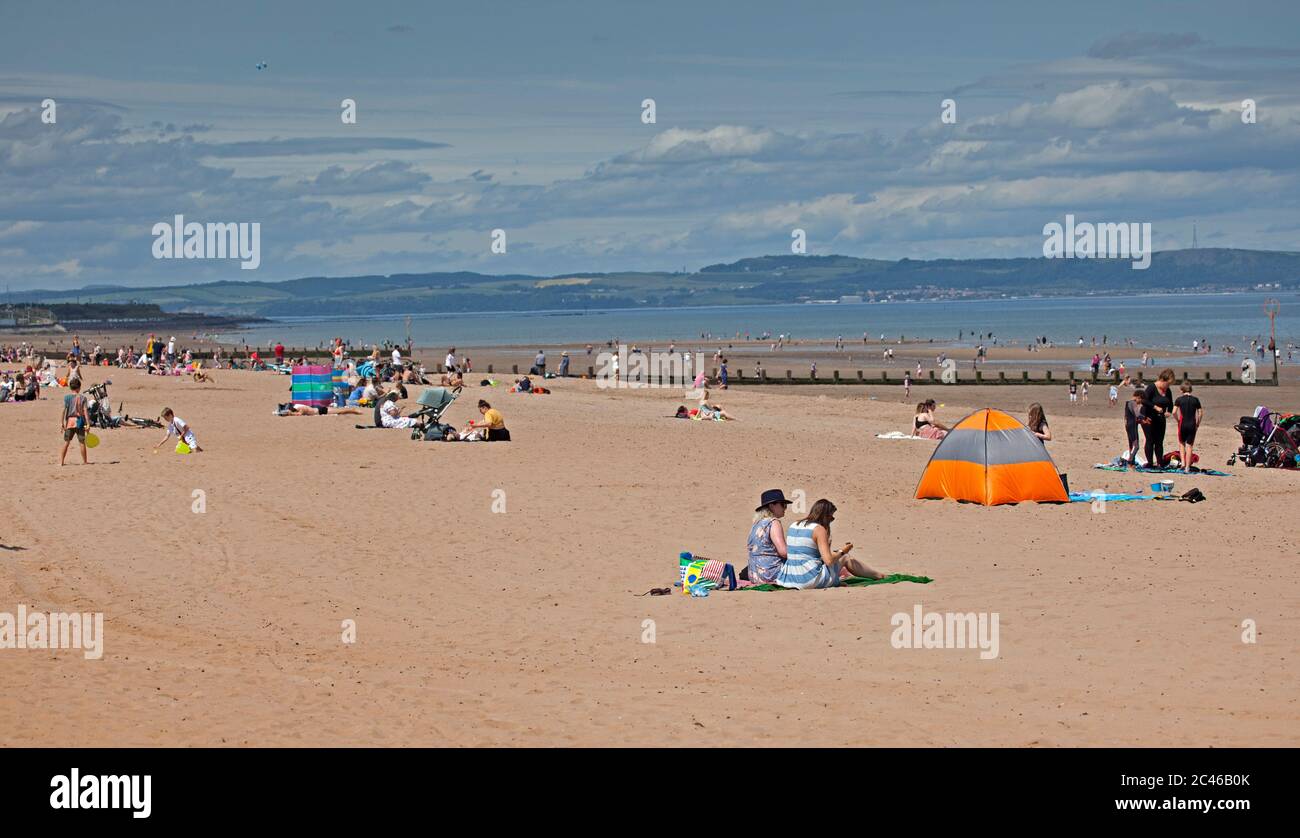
(1159, 404)
(1188, 411)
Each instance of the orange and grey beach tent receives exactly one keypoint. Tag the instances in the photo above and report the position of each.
(991, 458)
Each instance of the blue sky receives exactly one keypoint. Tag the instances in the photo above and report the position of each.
(526, 116)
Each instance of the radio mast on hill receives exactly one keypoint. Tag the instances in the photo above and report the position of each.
(1193, 235)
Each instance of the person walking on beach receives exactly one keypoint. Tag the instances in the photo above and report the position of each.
(1074, 391)
(1114, 395)
(539, 363)
(1187, 413)
(74, 421)
(1083, 392)
(1159, 404)
(907, 386)
(279, 353)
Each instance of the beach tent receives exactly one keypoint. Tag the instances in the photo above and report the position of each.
(312, 385)
(991, 458)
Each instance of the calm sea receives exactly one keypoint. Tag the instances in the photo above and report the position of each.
(1169, 321)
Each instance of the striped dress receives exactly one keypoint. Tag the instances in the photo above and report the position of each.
(803, 566)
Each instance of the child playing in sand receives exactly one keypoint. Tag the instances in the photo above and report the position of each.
(1114, 395)
(176, 425)
(1074, 391)
(74, 421)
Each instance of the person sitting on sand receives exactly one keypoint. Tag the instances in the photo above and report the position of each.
(492, 428)
(925, 425)
(766, 542)
(451, 379)
(1037, 423)
(176, 425)
(390, 415)
(810, 561)
(523, 385)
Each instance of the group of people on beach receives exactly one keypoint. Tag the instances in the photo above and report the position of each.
(1150, 409)
(803, 557)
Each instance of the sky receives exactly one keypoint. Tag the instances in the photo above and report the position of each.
(527, 117)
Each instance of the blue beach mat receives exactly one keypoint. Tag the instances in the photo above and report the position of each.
(1109, 497)
(1209, 472)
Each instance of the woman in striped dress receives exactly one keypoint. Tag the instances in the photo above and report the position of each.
(810, 561)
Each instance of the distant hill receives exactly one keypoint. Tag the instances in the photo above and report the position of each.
(759, 280)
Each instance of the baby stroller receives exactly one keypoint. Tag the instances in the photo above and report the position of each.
(433, 403)
(1266, 440)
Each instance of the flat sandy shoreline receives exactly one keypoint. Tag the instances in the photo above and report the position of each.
(477, 627)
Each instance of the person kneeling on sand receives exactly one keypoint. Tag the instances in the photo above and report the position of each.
(810, 561)
(176, 425)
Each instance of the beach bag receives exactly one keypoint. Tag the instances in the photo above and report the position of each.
(705, 574)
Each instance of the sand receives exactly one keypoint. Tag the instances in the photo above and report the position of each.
(522, 627)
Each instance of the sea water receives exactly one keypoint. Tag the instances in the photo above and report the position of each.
(1169, 321)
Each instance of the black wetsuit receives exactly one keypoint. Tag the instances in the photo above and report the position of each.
(1188, 406)
(1155, 432)
(1132, 412)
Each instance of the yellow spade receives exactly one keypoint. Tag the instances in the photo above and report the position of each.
(91, 440)
(182, 448)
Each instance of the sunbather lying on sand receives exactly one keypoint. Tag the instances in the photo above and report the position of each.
(310, 410)
(714, 411)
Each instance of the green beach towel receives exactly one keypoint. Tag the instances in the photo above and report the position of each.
(852, 582)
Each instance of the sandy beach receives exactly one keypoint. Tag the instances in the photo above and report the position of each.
(522, 626)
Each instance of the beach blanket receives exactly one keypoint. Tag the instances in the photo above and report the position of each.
(1109, 497)
(1169, 470)
(853, 582)
(899, 435)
